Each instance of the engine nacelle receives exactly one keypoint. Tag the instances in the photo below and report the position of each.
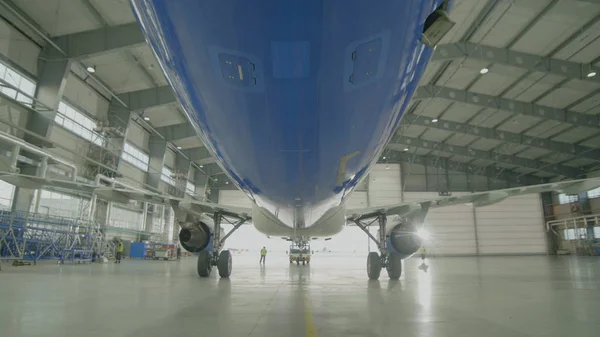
(403, 240)
(196, 237)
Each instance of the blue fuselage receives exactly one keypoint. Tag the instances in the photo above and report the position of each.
(295, 99)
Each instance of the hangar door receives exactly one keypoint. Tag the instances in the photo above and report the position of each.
(451, 229)
(513, 226)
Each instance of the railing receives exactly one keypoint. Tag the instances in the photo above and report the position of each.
(583, 221)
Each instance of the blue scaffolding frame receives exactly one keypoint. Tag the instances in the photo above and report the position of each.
(26, 236)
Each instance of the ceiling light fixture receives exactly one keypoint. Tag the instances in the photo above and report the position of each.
(146, 118)
(484, 71)
(591, 74)
(91, 69)
(201, 166)
(383, 158)
(179, 148)
(435, 120)
(405, 149)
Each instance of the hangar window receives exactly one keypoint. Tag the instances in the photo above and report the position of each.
(595, 193)
(126, 219)
(7, 192)
(190, 188)
(59, 204)
(167, 176)
(567, 198)
(10, 76)
(78, 123)
(135, 157)
(575, 234)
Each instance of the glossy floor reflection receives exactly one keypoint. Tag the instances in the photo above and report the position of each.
(494, 296)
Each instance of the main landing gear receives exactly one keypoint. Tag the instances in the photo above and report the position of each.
(391, 261)
(219, 258)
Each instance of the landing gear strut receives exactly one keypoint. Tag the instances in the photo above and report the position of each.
(391, 261)
(221, 259)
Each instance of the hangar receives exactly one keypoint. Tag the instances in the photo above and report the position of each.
(509, 99)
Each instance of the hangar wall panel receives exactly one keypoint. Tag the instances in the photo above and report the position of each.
(170, 159)
(357, 199)
(75, 148)
(452, 229)
(513, 226)
(80, 94)
(18, 48)
(234, 198)
(138, 136)
(385, 187)
(131, 174)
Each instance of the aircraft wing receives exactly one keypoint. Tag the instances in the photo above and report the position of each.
(123, 195)
(478, 199)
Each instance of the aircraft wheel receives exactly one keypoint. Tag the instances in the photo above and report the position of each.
(394, 267)
(225, 264)
(204, 266)
(373, 265)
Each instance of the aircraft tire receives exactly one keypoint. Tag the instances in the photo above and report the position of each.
(373, 266)
(225, 264)
(394, 267)
(204, 266)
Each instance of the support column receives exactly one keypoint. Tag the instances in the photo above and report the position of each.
(157, 150)
(182, 167)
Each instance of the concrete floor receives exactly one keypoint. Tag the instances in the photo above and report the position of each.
(495, 296)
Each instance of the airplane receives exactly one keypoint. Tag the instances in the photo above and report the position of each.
(296, 101)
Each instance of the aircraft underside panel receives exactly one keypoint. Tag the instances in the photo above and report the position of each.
(295, 99)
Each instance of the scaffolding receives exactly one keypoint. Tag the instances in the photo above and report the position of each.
(26, 236)
(576, 235)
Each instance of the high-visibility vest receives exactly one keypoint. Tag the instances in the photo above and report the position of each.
(263, 252)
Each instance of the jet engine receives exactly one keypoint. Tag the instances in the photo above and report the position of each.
(403, 239)
(196, 237)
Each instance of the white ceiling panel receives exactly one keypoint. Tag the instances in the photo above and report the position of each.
(147, 60)
(461, 159)
(461, 73)
(533, 153)
(436, 135)
(510, 149)
(498, 79)
(568, 93)
(589, 106)
(485, 144)
(579, 162)
(555, 158)
(547, 129)
(115, 12)
(164, 115)
(460, 139)
(519, 123)
(583, 49)
(576, 135)
(59, 17)
(506, 20)
(463, 13)
(119, 72)
(534, 86)
(592, 142)
(188, 143)
(460, 112)
(490, 118)
(558, 24)
(432, 69)
(523, 170)
(410, 130)
(432, 107)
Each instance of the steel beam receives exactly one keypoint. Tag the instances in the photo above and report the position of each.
(494, 156)
(148, 98)
(197, 154)
(177, 131)
(394, 157)
(531, 62)
(102, 40)
(519, 108)
(504, 136)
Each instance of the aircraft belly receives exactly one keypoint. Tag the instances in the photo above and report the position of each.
(296, 100)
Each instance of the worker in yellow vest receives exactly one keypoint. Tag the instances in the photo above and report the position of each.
(263, 255)
(119, 252)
